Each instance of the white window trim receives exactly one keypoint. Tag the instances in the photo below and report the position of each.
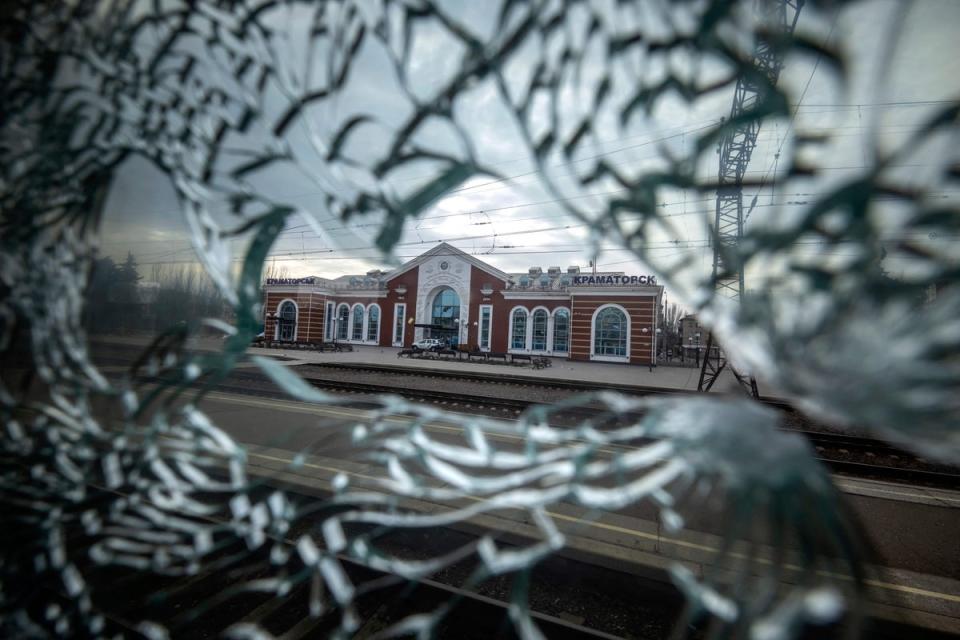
(296, 319)
(553, 324)
(330, 321)
(398, 339)
(510, 348)
(366, 323)
(489, 327)
(336, 322)
(363, 323)
(548, 341)
(593, 336)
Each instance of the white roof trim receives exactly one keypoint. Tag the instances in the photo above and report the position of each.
(613, 293)
(293, 288)
(532, 295)
(447, 249)
(370, 294)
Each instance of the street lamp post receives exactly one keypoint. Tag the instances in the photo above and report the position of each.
(653, 355)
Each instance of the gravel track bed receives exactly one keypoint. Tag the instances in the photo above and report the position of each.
(543, 393)
(423, 382)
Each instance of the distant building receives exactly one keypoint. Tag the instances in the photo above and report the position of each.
(693, 338)
(691, 333)
(448, 294)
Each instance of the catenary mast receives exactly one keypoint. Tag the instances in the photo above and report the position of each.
(736, 147)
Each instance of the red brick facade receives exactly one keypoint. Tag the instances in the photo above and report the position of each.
(310, 314)
(478, 280)
(407, 281)
(482, 285)
(641, 311)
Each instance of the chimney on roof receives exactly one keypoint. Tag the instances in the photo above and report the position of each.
(535, 271)
(554, 271)
(573, 269)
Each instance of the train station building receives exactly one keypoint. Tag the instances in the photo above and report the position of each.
(449, 294)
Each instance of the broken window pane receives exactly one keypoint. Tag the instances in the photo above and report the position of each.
(836, 287)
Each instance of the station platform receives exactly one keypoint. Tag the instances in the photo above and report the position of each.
(668, 377)
(672, 376)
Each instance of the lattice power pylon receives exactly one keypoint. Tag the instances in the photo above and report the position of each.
(736, 147)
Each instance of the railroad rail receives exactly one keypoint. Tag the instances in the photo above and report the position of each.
(831, 448)
(208, 603)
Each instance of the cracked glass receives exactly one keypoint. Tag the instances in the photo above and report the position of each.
(263, 117)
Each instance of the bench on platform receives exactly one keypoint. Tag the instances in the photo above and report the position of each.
(482, 355)
(541, 362)
(334, 346)
(491, 355)
(407, 352)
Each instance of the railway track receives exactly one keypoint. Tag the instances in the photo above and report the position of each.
(611, 602)
(832, 449)
(208, 603)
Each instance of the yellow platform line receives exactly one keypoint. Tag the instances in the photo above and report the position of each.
(643, 535)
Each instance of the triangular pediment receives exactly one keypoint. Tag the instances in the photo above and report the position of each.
(448, 250)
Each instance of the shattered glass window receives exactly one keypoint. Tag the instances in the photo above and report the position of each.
(787, 169)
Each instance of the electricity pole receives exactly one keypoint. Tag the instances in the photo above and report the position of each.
(736, 146)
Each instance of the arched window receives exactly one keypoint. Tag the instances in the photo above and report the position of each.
(445, 316)
(539, 342)
(610, 327)
(373, 323)
(343, 322)
(446, 309)
(561, 331)
(518, 329)
(357, 331)
(287, 322)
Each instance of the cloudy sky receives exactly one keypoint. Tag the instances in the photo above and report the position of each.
(524, 220)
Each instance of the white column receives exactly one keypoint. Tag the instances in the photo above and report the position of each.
(549, 333)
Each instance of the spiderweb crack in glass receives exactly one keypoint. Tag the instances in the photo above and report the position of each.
(352, 98)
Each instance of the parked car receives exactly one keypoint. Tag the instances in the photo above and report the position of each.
(429, 344)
